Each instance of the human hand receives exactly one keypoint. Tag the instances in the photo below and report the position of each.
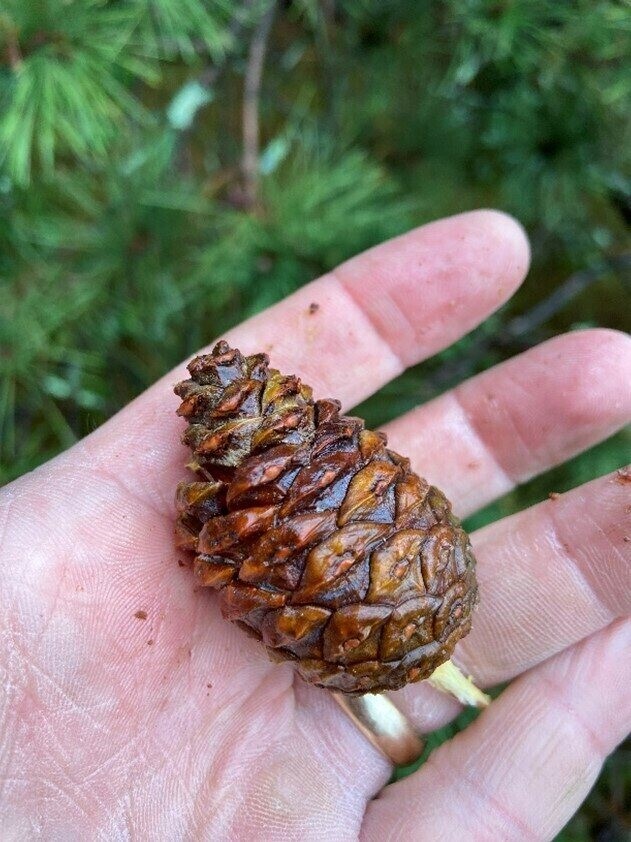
(130, 709)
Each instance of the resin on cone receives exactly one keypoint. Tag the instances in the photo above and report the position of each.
(323, 543)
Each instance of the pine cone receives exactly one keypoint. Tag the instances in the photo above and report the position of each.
(323, 543)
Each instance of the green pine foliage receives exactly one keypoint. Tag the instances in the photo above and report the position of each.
(127, 239)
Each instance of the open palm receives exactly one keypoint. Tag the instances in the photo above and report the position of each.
(130, 710)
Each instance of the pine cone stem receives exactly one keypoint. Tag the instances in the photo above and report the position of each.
(449, 679)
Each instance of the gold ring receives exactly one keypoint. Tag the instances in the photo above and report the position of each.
(389, 730)
(381, 721)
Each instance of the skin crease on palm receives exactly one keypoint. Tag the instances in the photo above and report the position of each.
(175, 725)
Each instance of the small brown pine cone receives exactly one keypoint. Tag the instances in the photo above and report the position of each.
(323, 543)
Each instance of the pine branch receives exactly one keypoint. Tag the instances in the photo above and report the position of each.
(251, 102)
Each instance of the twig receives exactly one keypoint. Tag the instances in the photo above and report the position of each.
(207, 79)
(331, 77)
(524, 325)
(251, 98)
(563, 294)
(211, 74)
(12, 48)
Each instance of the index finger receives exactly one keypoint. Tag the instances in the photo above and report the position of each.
(345, 334)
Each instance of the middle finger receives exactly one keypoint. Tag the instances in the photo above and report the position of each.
(519, 418)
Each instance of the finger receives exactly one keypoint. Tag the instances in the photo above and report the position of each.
(393, 305)
(549, 577)
(520, 418)
(387, 308)
(523, 768)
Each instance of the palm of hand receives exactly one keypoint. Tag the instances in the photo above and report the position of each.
(132, 709)
(137, 701)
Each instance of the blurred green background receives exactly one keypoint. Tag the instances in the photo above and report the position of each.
(168, 167)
